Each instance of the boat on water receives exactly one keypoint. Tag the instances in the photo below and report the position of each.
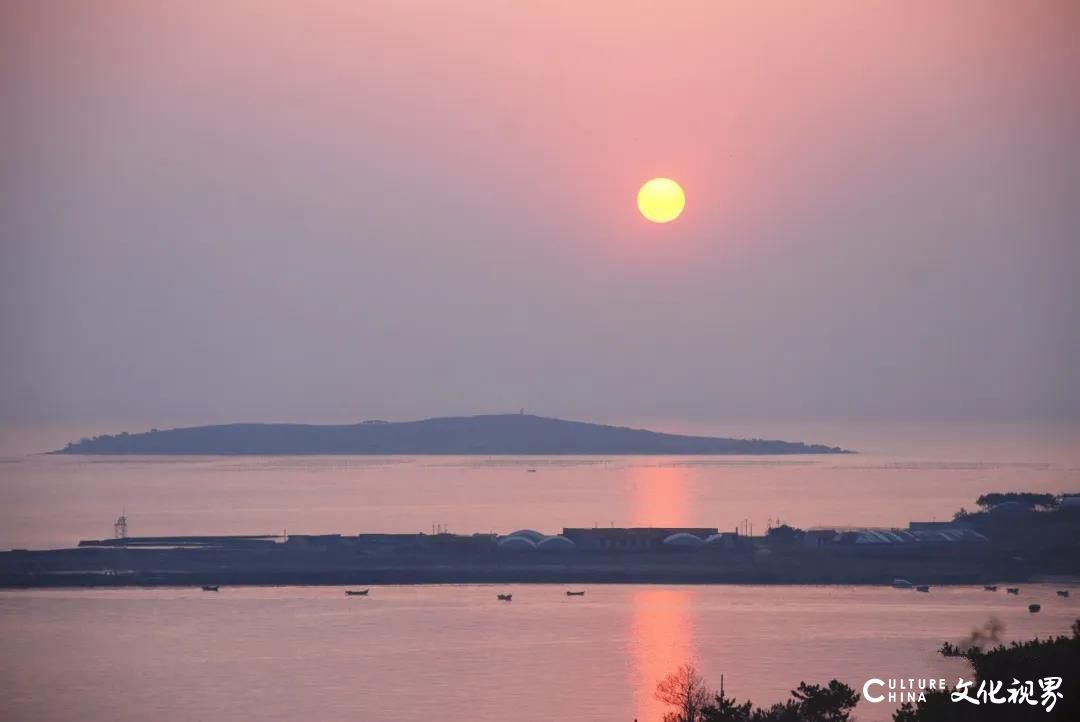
(1063, 593)
(211, 587)
(990, 588)
(922, 588)
(357, 592)
(1034, 608)
(575, 594)
(506, 597)
(1013, 590)
(902, 584)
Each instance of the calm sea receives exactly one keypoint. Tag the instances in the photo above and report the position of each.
(457, 654)
(54, 501)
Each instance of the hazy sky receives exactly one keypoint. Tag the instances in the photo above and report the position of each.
(215, 211)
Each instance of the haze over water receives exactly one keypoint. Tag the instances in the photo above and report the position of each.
(325, 211)
(55, 501)
(454, 652)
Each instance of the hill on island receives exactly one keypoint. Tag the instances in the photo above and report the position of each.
(480, 435)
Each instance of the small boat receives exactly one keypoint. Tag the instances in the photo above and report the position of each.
(1034, 608)
(1063, 593)
(990, 588)
(211, 587)
(506, 597)
(922, 588)
(357, 592)
(1013, 590)
(901, 584)
(575, 594)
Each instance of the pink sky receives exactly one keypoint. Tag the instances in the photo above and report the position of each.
(329, 210)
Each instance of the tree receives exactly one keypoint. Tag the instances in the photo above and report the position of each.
(683, 689)
(832, 703)
(1029, 661)
(808, 703)
(1027, 498)
(725, 709)
(784, 534)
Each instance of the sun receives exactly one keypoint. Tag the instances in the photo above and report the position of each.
(661, 200)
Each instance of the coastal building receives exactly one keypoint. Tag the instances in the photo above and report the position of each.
(940, 542)
(1069, 503)
(954, 535)
(818, 538)
(531, 534)
(937, 525)
(447, 543)
(724, 540)
(556, 544)
(313, 542)
(516, 544)
(682, 540)
(630, 538)
(942, 535)
(1011, 509)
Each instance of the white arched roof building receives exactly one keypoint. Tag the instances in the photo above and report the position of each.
(556, 544)
(516, 544)
(683, 540)
(531, 534)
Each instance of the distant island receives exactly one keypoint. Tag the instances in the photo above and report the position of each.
(495, 434)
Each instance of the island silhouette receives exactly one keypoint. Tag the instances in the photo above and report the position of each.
(491, 434)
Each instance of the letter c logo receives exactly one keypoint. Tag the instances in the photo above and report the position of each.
(866, 690)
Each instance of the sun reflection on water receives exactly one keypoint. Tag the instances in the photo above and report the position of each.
(659, 496)
(661, 622)
(661, 633)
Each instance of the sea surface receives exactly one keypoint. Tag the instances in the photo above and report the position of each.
(56, 501)
(455, 653)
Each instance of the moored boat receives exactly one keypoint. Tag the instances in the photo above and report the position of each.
(357, 592)
(211, 587)
(990, 588)
(1063, 593)
(1013, 590)
(922, 588)
(1034, 608)
(575, 594)
(506, 597)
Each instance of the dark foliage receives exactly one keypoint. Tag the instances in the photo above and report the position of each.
(1024, 661)
(1027, 498)
(784, 533)
(809, 703)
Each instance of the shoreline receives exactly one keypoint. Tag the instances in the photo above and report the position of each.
(1018, 549)
(122, 567)
(197, 582)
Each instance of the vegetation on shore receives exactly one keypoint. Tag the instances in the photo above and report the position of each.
(687, 693)
(1001, 667)
(995, 670)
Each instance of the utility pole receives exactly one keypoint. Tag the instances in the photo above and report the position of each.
(120, 527)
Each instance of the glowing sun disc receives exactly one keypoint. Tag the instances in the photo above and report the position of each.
(661, 200)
